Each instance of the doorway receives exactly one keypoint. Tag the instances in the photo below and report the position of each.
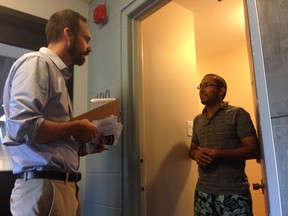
(172, 65)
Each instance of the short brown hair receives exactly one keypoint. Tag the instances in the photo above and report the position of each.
(63, 19)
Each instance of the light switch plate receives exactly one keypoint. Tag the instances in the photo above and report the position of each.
(189, 127)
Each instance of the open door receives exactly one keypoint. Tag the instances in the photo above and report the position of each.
(270, 184)
(260, 185)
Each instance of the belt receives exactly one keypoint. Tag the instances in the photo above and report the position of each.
(70, 177)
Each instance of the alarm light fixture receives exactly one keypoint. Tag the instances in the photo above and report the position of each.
(100, 14)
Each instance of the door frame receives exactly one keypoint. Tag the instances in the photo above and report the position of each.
(130, 18)
(270, 170)
(132, 187)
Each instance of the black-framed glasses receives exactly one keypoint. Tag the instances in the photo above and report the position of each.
(206, 85)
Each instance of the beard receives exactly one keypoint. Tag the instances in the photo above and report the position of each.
(210, 100)
(77, 57)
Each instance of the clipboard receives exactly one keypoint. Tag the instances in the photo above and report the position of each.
(111, 108)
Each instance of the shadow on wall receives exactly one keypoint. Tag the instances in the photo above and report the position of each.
(166, 188)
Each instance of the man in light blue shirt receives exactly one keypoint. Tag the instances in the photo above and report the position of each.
(44, 143)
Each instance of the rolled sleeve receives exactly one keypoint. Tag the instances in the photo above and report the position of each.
(27, 96)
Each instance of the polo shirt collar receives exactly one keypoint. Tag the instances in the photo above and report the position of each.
(223, 106)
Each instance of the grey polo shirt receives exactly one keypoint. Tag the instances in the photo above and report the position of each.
(224, 129)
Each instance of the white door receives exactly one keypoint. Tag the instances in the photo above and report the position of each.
(270, 183)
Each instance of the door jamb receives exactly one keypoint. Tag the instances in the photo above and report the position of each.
(272, 187)
(130, 17)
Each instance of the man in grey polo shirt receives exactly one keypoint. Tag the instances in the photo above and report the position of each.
(223, 138)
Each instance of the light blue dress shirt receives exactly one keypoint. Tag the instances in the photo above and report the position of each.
(35, 90)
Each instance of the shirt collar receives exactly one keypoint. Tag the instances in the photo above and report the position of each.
(57, 61)
(223, 106)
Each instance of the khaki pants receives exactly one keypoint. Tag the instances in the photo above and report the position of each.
(41, 197)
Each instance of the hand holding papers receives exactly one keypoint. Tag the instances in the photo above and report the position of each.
(110, 129)
(105, 117)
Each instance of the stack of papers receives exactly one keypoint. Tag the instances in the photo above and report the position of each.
(109, 127)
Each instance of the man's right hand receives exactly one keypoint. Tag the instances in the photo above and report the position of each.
(84, 131)
(203, 157)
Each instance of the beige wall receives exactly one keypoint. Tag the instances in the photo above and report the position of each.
(43, 8)
(170, 99)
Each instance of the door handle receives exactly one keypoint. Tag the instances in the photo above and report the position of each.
(257, 186)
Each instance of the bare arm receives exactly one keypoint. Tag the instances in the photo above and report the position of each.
(205, 156)
(202, 156)
(248, 150)
(81, 130)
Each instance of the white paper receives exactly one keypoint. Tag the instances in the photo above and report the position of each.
(110, 128)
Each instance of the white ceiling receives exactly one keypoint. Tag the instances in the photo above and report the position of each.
(219, 26)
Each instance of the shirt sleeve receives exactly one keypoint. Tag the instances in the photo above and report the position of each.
(194, 134)
(28, 88)
(245, 125)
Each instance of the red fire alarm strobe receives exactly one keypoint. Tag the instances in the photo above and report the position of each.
(100, 14)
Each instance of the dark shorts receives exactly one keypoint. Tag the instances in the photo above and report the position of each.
(222, 205)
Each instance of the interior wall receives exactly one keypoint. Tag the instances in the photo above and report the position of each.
(170, 99)
(104, 172)
(233, 66)
(45, 9)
